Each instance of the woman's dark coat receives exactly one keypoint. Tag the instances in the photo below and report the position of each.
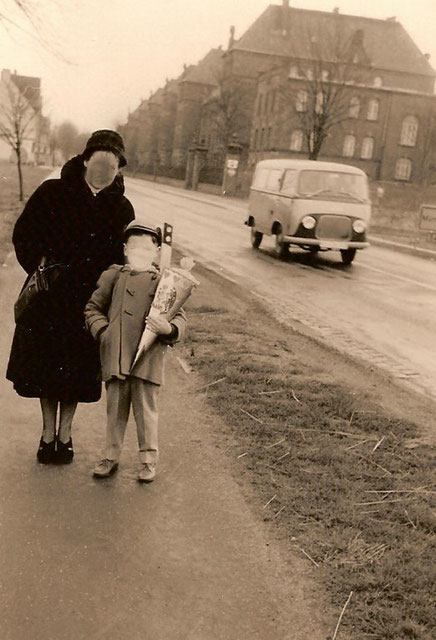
(65, 222)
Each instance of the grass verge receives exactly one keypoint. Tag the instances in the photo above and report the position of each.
(334, 475)
(10, 206)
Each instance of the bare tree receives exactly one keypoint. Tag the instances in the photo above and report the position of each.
(426, 172)
(226, 114)
(32, 18)
(17, 118)
(321, 81)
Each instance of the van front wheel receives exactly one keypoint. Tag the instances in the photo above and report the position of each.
(255, 237)
(348, 255)
(281, 248)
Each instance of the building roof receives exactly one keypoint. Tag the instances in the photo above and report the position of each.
(30, 88)
(286, 31)
(207, 71)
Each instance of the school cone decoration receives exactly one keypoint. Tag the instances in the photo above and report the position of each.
(174, 288)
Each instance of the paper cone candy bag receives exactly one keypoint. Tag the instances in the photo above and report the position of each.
(174, 288)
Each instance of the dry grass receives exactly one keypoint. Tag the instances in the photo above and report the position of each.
(310, 446)
(10, 207)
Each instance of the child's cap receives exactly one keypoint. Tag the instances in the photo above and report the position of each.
(137, 228)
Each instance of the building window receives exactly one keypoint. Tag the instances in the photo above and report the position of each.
(259, 103)
(266, 104)
(349, 145)
(296, 140)
(373, 109)
(319, 104)
(354, 108)
(409, 131)
(367, 148)
(309, 74)
(293, 71)
(403, 169)
(324, 75)
(273, 101)
(256, 136)
(378, 81)
(311, 141)
(301, 102)
(262, 138)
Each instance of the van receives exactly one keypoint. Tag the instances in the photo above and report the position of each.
(318, 206)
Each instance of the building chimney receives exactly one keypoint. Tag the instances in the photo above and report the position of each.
(285, 17)
(336, 10)
(232, 37)
(427, 56)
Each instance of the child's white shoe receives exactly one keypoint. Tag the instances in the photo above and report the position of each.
(105, 468)
(147, 472)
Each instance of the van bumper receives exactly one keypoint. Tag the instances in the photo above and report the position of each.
(326, 243)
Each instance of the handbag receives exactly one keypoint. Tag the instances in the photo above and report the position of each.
(30, 306)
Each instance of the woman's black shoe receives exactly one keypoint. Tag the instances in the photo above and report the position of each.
(64, 451)
(46, 452)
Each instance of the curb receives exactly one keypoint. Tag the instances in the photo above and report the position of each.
(428, 254)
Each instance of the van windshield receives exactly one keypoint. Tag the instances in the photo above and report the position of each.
(333, 183)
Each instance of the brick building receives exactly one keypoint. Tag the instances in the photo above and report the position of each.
(388, 104)
(160, 131)
(384, 101)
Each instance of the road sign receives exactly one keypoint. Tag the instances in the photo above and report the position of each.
(427, 221)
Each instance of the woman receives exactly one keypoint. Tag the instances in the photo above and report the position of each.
(76, 222)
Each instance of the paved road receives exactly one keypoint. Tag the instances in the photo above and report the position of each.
(381, 309)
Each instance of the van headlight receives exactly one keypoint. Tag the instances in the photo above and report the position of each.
(359, 226)
(308, 222)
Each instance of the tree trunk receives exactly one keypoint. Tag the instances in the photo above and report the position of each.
(20, 175)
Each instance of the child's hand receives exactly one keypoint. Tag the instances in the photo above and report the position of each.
(159, 325)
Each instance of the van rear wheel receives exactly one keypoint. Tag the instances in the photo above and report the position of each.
(255, 237)
(281, 248)
(348, 255)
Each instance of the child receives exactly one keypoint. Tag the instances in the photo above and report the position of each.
(115, 316)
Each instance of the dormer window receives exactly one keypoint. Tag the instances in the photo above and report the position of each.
(378, 81)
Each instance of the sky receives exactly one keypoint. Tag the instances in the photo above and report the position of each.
(102, 57)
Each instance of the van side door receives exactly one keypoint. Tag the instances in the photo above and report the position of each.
(272, 198)
(257, 203)
(287, 194)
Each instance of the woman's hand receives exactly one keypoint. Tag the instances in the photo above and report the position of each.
(159, 325)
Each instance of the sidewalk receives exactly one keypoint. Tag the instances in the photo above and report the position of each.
(183, 558)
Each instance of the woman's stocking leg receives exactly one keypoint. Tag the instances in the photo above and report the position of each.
(49, 408)
(68, 409)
